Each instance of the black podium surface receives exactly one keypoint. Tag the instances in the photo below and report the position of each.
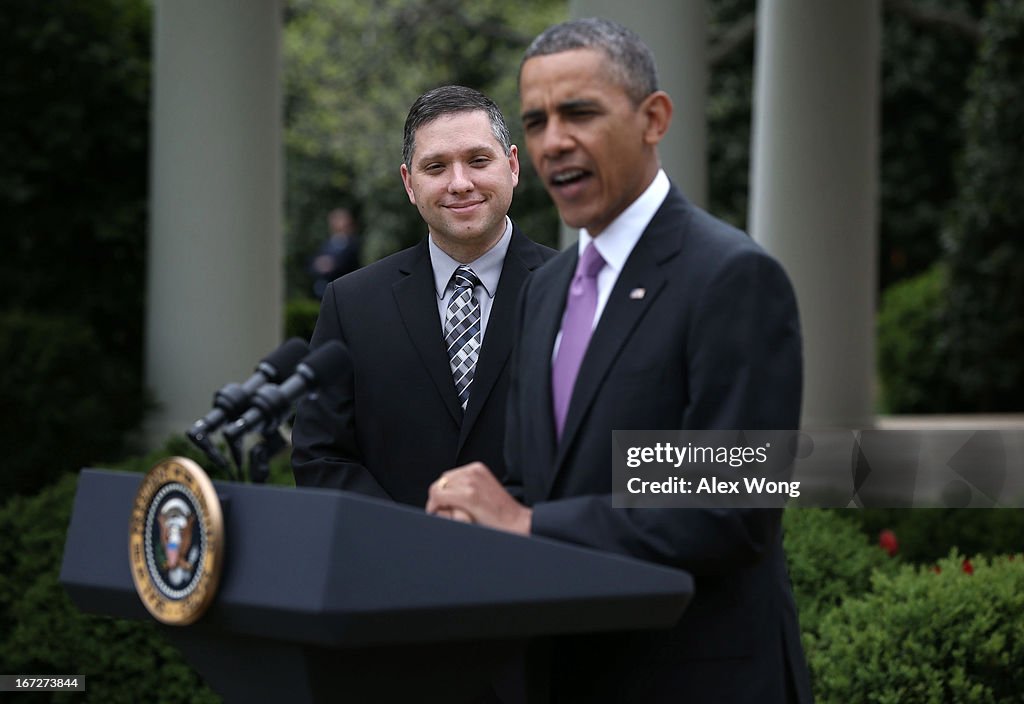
(327, 595)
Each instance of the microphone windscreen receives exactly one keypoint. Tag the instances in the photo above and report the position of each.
(284, 359)
(328, 361)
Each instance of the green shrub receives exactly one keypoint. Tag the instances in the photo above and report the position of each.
(67, 403)
(829, 560)
(42, 632)
(922, 636)
(912, 351)
(300, 316)
(927, 534)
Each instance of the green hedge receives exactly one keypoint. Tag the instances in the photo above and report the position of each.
(927, 635)
(913, 365)
(300, 316)
(66, 401)
(927, 534)
(829, 559)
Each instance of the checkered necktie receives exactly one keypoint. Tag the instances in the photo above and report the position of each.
(462, 331)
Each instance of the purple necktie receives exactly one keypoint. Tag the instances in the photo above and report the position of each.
(577, 325)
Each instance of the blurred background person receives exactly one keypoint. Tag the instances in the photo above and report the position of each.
(339, 254)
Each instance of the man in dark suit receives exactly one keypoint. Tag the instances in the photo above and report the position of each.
(661, 318)
(406, 411)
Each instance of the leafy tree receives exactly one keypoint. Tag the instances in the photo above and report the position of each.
(730, 108)
(986, 248)
(925, 65)
(73, 150)
(352, 69)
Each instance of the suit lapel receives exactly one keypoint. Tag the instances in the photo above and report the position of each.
(417, 303)
(537, 359)
(520, 260)
(643, 270)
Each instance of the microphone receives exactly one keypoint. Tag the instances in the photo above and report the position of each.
(232, 399)
(272, 402)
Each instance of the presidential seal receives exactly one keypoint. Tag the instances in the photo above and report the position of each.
(176, 541)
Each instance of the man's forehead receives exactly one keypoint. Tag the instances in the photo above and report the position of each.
(465, 118)
(469, 126)
(575, 74)
(439, 139)
(456, 147)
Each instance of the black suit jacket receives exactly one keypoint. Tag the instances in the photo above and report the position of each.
(714, 343)
(394, 423)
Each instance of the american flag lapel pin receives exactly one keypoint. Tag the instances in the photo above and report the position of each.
(637, 294)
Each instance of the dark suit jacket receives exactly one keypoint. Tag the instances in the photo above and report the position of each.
(713, 344)
(393, 424)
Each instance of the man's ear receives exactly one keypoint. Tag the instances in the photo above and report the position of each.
(657, 109)
(406, 182)
(513, 164)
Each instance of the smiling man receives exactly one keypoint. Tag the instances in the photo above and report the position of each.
(661, 318)
(429, 329)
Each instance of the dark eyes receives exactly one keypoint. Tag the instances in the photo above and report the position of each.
(437, 167)
(579, 114)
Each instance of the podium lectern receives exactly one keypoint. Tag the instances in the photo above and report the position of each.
(331, 596)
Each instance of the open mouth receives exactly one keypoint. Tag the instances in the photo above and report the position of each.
(568, 177)
(569, 184)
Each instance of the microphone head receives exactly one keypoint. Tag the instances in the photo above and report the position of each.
(327, 362)
(281, 363)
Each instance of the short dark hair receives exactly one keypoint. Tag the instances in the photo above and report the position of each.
(450, 100)
(632, 62)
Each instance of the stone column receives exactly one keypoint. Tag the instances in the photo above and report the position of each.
(814, 183)
(216, 245)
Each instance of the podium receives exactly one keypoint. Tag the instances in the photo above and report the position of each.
(331, 596)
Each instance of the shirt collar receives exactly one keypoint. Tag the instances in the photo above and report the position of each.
(487, 267)
(618, 239)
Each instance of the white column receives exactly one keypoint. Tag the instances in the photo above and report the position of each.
(676, 31)
(814, 176)
(216, 248)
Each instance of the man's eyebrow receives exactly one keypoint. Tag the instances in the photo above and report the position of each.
(532, 114)
(563, 107)
(481, 148)
(570, 105)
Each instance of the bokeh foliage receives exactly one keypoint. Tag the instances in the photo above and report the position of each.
(352, 69)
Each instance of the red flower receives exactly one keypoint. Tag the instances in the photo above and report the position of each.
(936, 569)
(967, 567)
(887, 541)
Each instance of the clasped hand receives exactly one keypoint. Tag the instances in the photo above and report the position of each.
(472, 494)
